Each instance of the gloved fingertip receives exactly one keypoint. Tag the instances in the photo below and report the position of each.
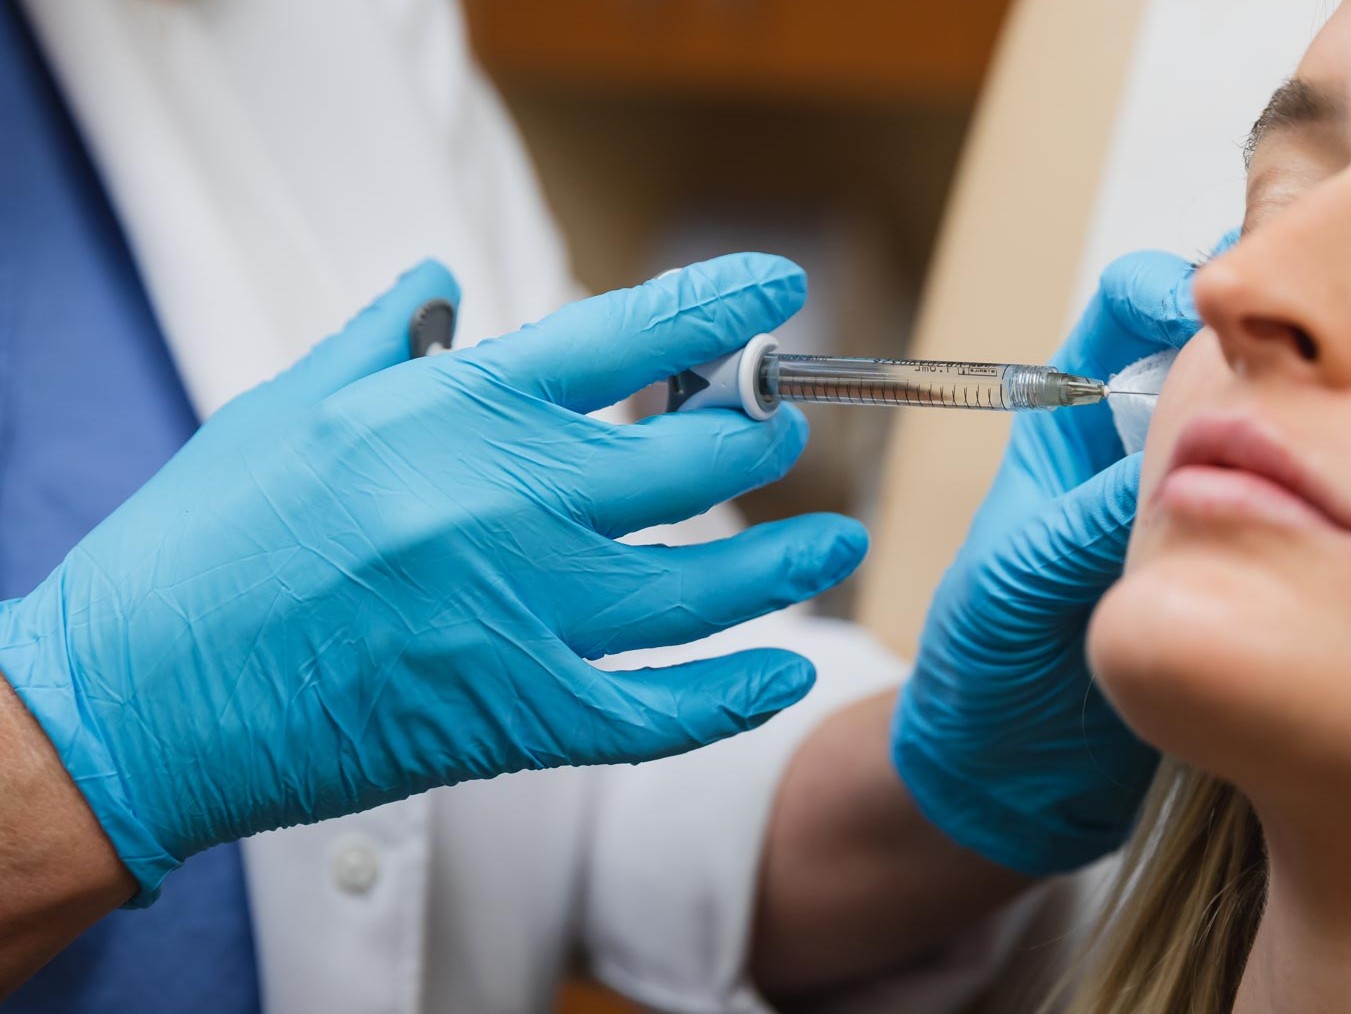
(1107, 502)
(427, 279)
(813, 553)
(1185, 320)
(1121, 479)
(795, 428)
(778, 442)
(1128, 468)
(774, 270)
(1227, 241)
(785, 679)
(1149, 292)
(848, 548)
(781, 281)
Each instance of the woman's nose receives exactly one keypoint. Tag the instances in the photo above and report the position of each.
(1280, 300)
(1262, 327)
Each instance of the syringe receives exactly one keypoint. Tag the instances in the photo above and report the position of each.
(757, 378)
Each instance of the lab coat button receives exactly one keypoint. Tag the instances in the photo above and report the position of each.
(356, 865)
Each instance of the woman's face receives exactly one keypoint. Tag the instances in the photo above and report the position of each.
(1228, 641)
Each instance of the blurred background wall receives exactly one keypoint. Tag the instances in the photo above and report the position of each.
(666, 131)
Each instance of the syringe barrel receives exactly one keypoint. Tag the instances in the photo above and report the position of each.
(840, 380)
(998, 387)
(756, 378)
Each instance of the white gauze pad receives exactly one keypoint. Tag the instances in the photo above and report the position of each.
(1132, 412)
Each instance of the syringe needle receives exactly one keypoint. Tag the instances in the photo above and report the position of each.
(1138, 394)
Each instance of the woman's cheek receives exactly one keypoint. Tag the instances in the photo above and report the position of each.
(1193, 385)
(1131, 669)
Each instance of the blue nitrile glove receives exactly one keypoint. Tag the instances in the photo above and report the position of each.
(1001, 736)
(369, 576)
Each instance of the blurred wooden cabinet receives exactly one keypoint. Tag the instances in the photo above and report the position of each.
(885, 49)
(579, 997)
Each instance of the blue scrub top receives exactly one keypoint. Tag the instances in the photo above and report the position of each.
(90, 408)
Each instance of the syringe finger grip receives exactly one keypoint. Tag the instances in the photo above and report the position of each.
(731, 381)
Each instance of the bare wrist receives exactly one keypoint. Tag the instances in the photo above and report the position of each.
(59, 873)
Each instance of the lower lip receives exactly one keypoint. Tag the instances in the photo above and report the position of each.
(1228, 494)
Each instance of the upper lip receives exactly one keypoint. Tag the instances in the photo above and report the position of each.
(1241, 442)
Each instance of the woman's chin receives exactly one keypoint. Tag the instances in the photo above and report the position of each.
(1183, 649)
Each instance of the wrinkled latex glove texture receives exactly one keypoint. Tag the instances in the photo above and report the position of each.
(372, 576)
(1001, 736)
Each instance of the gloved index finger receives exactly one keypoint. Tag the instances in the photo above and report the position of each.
(373, 340)
(1143, 305)
(598, 351)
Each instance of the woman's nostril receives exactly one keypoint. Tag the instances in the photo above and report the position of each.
(1304, 343)
(1272, 333)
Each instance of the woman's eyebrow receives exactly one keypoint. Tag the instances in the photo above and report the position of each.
(1295, 104)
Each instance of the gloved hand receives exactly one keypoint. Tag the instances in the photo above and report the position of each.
(1001, 736)
(370, 576)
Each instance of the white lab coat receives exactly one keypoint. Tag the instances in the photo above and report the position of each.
(273, 166)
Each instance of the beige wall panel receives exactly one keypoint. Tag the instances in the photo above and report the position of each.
(1001, 279)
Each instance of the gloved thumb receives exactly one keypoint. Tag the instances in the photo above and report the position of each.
(681, 707)
(376, 338)
(1083, 536)
(1143, 305)
(1150, 296)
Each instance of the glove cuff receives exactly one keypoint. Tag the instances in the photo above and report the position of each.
(972, 813)
(34, 660)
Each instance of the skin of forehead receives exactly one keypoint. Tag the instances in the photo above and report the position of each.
(1327, 61)
(1327, 65)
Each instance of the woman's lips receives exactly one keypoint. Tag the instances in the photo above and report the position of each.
(1234, 466)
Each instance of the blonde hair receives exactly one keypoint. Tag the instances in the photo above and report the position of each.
(1181, 916)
